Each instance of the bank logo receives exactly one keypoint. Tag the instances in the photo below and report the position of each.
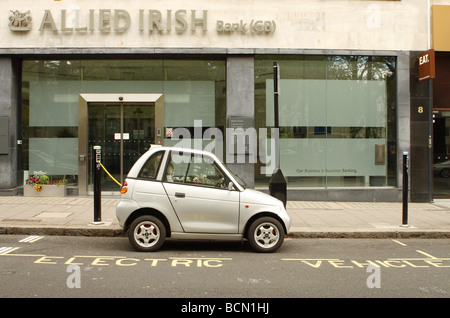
(20, 21)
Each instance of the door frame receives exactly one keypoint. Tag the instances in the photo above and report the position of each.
(85, 99)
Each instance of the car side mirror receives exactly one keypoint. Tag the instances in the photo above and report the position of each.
(230, 186)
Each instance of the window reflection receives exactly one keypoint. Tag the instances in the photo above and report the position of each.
(194, 89)
(335, 112)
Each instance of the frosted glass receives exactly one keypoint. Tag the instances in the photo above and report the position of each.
(187, 101)
(55, 156)
(330, 157)
(338, 103)
(55, 104)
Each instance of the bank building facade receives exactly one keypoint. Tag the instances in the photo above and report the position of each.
(128, 74)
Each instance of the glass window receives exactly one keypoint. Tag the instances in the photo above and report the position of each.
(177, 168)
(194, 170)
(151, 167)
(193, 89)
(337, 119)
(203, 171)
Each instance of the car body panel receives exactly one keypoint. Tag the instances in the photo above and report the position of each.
(151, 194)
(205, 210)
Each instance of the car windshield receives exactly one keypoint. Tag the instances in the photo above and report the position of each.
(241, 183)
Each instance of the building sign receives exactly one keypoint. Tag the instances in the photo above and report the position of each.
(427, 67)
(20, 21)
(120, 20)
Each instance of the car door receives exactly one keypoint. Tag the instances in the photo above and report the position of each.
(198, 191)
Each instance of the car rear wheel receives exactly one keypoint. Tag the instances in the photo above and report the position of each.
(266, 235)
(147, 233)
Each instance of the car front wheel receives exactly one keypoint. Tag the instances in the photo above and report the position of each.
(266, 235)
(147, 233)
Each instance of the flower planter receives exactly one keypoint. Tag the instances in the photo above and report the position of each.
(48, 190)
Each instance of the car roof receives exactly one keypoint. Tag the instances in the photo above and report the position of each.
(180, 149)
(155, 148)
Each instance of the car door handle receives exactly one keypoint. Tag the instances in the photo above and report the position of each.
(179, 195)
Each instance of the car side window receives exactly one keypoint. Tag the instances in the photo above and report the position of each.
(177, 167)
(203, 171)
(195, 170)
(151, 167)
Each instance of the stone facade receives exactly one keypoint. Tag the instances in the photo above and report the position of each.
(237, 30)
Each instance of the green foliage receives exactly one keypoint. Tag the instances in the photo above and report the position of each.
(44, 179)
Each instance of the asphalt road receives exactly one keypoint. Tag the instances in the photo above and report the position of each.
(54, 266)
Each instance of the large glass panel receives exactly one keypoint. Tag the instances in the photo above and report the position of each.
(441, 149)
(139, 132)
(192, 89)
(105, 131)
(55, 156)
(104, 123)
(337, 119)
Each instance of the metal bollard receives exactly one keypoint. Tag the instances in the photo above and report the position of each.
(405, 190)
(277, 184)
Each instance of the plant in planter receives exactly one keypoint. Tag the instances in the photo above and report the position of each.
(39, 180)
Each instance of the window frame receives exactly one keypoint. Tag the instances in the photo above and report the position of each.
(140, 177)
(191, 156)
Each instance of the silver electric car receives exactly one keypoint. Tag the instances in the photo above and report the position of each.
(178, 193)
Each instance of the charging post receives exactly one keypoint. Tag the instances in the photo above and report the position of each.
(98, 186)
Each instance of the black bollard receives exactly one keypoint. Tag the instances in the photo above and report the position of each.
(405, 190)
(277, 184)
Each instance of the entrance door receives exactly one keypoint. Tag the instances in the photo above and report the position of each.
(441, 149)
(124, 125)
(125, 131)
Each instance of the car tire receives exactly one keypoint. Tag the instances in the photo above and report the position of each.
(265, 235)
(445, 173)
(147, 233)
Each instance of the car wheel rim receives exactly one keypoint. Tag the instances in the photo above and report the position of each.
(266, 235)
(146, 234)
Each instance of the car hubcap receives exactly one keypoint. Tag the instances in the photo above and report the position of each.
(266, 235)
(146, 234)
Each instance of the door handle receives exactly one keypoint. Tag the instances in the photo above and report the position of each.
(179, 195)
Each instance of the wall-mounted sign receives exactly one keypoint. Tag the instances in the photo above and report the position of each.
(120, 20)
(118, 136)
(427, 67)
(240, 135)
(20, 21)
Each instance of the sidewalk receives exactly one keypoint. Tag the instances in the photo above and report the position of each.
(74, 216)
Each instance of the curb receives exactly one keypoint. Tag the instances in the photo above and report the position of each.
(118, 232)
(372, 234)
(58, 231)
